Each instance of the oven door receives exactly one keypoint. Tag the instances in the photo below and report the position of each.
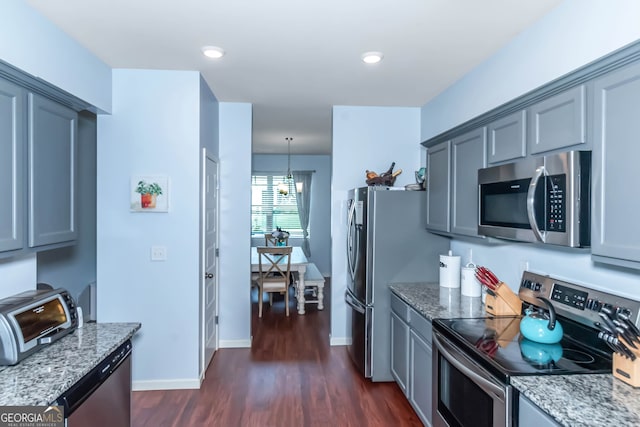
(464, 394)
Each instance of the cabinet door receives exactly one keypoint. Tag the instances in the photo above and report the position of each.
(507, 138)
(52, 172)
(529, 415)
(616, 201)
(12, 161)
(438, 186)
(400, 351)
(558, 122)
(420, 377)
(469, 153)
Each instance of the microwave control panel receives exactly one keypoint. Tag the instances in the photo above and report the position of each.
(556, 203)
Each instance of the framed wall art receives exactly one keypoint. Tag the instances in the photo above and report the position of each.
(149, 193)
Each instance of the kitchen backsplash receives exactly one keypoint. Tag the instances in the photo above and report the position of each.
(18, 274)
(508, 260)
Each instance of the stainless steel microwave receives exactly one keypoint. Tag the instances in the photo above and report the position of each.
(539, 199)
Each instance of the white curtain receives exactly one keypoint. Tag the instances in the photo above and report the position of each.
(303, 199)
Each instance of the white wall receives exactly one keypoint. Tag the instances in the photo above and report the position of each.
(573, 34)
(154, 130)
(320, 217)
(235, 220)
(364, 138)
(33, 44)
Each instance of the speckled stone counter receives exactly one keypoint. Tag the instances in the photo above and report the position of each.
(433, 301)
(42, 377)
(583, 400)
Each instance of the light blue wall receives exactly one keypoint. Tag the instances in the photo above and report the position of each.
(364, 138)
(235, 220)
(573, 34)
(320, 217)
(33, 44)
(154, 130)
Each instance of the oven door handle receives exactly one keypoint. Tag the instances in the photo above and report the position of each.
(460, 361)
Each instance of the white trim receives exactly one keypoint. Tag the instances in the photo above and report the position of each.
(182, 384)
(340, 341)
(234, 344)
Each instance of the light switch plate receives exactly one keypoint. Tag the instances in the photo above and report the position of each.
(158, 253)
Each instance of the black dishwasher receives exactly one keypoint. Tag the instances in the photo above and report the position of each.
(103, 396)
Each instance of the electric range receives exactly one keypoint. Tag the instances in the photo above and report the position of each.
(474, 358)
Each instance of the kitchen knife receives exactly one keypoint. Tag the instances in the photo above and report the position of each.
(616, 345)
(624, 332)
(632, 327)
(607, 321)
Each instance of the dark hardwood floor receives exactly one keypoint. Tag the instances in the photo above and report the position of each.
(290, 377)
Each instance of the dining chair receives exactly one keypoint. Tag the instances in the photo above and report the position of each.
(270, 240)
(274, 273)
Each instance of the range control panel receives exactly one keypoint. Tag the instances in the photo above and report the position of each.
(575, 301)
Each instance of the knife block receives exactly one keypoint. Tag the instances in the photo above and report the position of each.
(626, 370)
(504, 303)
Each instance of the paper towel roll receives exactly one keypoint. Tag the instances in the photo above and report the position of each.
(470, 285)
(449, 271)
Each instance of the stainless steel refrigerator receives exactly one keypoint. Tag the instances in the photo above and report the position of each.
(386, 243)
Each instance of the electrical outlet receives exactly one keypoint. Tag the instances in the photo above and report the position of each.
(158, 253)
(524, 266)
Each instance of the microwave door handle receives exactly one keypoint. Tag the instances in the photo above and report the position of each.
(531, 212)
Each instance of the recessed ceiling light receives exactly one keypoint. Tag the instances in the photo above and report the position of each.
(372, 57)
(213, 52)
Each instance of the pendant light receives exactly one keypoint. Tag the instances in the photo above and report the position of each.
(283, 187)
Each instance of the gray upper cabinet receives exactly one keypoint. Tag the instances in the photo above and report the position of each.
(558, 122)
(469, 153)
(12, 160)
(438, 186)
(615, 235)
(507, 138)
(52, 172)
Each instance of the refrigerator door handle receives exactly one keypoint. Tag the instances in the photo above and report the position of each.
(351, 257)
(353, 302)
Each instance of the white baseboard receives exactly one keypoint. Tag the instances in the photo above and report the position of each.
(234, 344)
(340, 341)
(187, 383)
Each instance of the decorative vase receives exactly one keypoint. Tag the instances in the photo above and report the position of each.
(148, 201)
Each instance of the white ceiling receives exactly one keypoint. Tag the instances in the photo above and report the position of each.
(294, 59)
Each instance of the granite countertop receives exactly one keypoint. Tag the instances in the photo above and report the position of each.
(571, 400)
(435, 302)
(42, 377)
(583, 400)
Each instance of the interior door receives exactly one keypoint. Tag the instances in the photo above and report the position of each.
(210, 276)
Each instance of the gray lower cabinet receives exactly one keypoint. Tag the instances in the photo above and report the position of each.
(508, 138)
(52, 172)
(615, 236)
(411, 356)
(529, 415)
(558, 122)
(438, 187)
(468, 154)
(12, 162)
(420, 374)
(399, 353)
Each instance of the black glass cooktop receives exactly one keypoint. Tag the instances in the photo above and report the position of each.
(496, 343)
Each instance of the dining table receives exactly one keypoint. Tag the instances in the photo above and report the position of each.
(299, 263)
